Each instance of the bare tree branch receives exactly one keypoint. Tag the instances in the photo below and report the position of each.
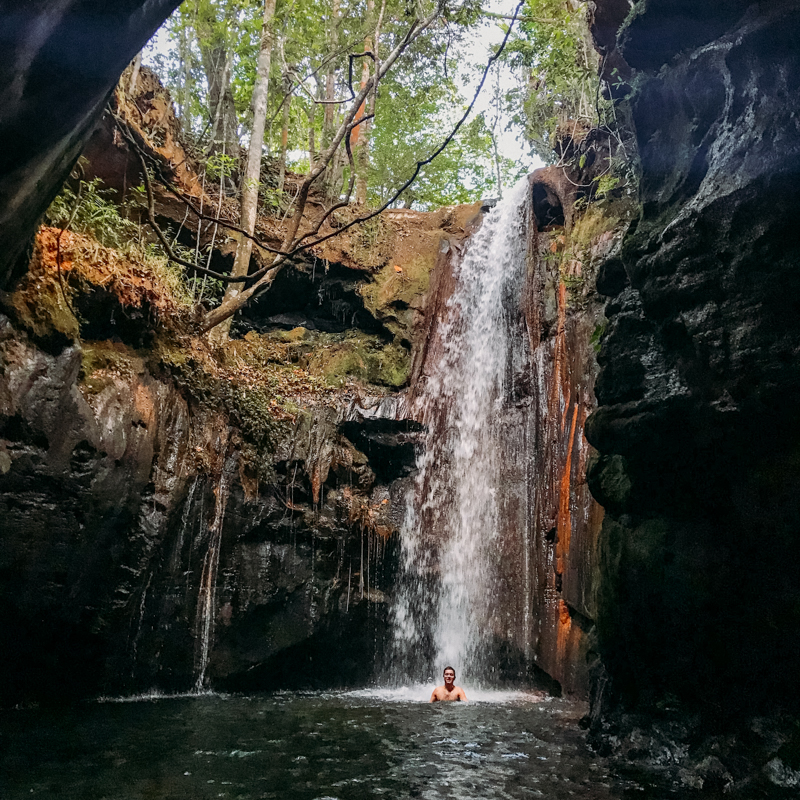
(165, 180)
(291, 245)
(290, 242)
(352, 57)
(516, 18)
(151, 218)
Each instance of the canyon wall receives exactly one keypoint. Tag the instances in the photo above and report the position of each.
(139, 549)
(169, 522)
(699, 602)
(118, 482)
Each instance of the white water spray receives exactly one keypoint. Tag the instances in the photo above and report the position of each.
(447, 610)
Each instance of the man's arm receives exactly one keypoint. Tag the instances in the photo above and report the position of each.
(461, 695)
(434, 696)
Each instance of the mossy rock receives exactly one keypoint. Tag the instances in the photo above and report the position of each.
(99, 360)
(290, 337)
(39, 306)
(363, 357)
(396, 290)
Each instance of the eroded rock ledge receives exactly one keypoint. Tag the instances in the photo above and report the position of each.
(51, 95)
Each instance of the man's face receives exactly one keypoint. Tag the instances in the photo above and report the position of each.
(449, 676)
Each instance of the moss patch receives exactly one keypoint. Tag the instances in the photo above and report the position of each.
(60, 271)
(397, 289)
(578, 254)
(101, 360)
(306, 363)
(264, 382)
(365, 358)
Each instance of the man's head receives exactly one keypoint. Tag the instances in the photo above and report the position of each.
(449, 676)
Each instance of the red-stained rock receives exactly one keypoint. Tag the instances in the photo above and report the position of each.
(555, 525)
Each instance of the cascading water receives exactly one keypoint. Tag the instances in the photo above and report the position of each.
(452, 606)
(206, 600)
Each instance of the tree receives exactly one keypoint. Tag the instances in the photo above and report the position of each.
(292, 240)
(252, 172)
(397, 90)
(216, 49)
(553, 48)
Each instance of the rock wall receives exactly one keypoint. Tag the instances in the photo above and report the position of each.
(175, 516)
(51, 96)
(547, 580)
(700, 554)
(139, 551)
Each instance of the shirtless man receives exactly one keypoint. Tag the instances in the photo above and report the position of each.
(449, 691)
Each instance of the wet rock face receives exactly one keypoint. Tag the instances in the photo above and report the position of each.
(139, 551)
(51, 95)
(695, 427)
(546, 536)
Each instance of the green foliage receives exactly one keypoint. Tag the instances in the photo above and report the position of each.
(414, 117)
(554, 50)
(597, 335)
(417, 106)
(90, 211)
(605, 185)
(94, 214)
(220, 165)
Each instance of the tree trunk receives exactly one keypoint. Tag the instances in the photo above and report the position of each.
(359, 139)
(311, 113)
(185, 54)
(332, 179)
(495, 122)
(213, 37)
(252, 173)
(287, 85)
(224, 122)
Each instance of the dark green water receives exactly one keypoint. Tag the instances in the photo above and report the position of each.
(306, 746)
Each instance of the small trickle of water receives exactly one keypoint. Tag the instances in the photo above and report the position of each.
(447, 609)
(206, 599)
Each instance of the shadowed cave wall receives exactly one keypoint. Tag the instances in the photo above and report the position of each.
(696, 427)
(61, 60)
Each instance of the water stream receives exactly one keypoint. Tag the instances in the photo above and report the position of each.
(451, 608)
(206, 601)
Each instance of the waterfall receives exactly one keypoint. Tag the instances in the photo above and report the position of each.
(462, 518)
(205, 614)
